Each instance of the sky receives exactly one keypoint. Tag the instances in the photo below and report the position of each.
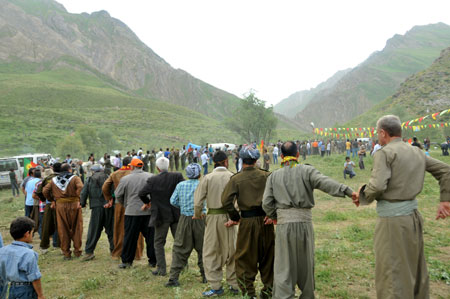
(274, 48)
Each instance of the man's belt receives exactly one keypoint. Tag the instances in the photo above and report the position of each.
(216, 211)
(16, 284)
(293, 215)
(398, 208)
(67, 199)
(253, 213)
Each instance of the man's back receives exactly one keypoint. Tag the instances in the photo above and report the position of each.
(212, 186)
(128, 192)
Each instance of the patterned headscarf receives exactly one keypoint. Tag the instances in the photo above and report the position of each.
(193, 170)
(249, 152)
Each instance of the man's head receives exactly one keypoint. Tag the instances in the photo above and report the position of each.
(136, 164)
(31, 171)
(388, 127)
(22, 229)
(220, 159)
(126, 161)
(57, 167)
(37, 173)
(162, 164)
(249, 155)
(193, 171)
(68, 156)
(289, 149)
(97, 168)
(347, 159)
(66, 167)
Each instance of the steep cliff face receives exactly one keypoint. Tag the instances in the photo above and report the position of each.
(376, 78)
(43, 34)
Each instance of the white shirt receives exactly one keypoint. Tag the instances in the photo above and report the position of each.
(204, 159)
(159, 155)
(275, 151)
(328, 146)
(375, 148)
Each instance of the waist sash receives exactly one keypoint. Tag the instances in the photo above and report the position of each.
(399, 208)
(219, 211)
(293, 215)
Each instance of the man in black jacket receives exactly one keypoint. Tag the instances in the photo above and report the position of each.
(100, 216)
(163, 214)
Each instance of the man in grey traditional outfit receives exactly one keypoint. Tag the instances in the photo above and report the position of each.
(397, 178)
(288, 199)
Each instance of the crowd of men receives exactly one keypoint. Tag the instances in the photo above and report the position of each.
(229, 218)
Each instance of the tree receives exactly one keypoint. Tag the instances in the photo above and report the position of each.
(252, 120)
(71, 145)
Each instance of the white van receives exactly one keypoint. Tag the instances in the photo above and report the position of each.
(222, 146)
(5, 165)
(35, 158)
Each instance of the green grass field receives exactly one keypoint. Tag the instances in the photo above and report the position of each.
(344, 250)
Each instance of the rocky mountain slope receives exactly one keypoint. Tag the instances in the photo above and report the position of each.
(297, 101)
(376, 78)
(41, 35)
(421, 94)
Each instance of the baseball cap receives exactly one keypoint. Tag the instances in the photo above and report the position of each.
(136, 163)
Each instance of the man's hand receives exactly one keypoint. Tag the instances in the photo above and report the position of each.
(355, 198)
(109, 204)
(230, 223)
(267, 221)
(202, 216)
(146, 206)
(79, 205)
(53, 205)
(443, 210)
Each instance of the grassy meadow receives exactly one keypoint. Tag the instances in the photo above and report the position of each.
(343, 250)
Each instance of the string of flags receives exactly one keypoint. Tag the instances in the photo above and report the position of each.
(414, 125)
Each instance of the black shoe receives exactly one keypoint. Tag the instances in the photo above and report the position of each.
(158, 273)
(152, 265)
(124, 265)
(172, 283)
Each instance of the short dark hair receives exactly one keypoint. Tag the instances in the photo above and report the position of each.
(65, 167)
(289, 148)
(37, 173)
(249, 161)
(11, 169)
(57, 167)
(347, 158)
(219, 156)
(20, 226)
(126, 161)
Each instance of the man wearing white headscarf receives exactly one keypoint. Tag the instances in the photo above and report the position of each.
(163, 214)
(190, 231)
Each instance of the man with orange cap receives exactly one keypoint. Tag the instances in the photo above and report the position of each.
(136, 219)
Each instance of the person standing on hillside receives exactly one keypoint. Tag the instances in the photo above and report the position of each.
(146, 160)
(219, 243)
(172, 159)
(205, 159)
(108, 189)
(49, 224)
(255, 239)
(101, 217)
(361, 155)
(164, 215)
(176, 155)
(136, 218)
(13, 181)
(190, 231)
(355, 148)
(152, 160)
(288, 199)
(397, 178)
(275, 155)
(65, 190)
(266, 161)
(183, 157)
(29, 189)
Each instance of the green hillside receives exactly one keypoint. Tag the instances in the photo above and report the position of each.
(421, 94)
(38, 110)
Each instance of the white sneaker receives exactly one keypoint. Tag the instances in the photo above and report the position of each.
(43, 251)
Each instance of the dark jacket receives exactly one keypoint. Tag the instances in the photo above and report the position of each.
(93, 190)
(160, 189)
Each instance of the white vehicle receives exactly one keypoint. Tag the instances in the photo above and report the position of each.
(222, 146)
(5, 165)
(35, 158)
